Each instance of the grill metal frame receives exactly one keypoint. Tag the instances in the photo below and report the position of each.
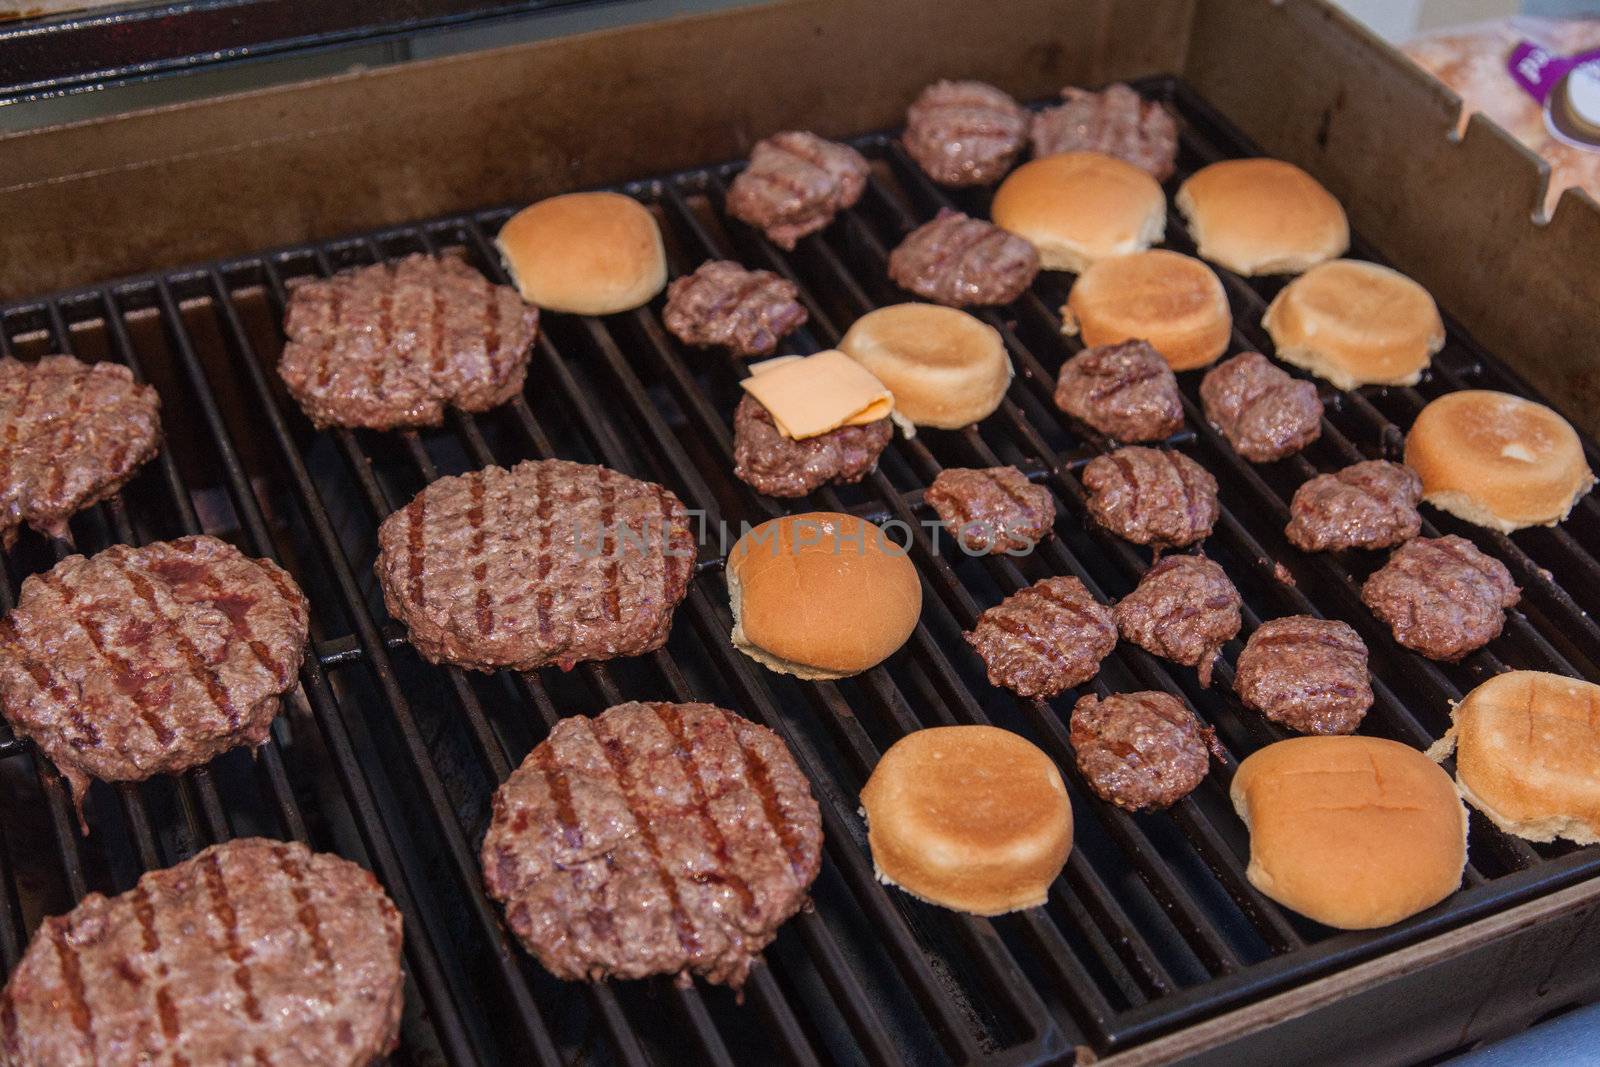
(1153, 925)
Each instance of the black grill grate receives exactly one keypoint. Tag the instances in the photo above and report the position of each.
(1153, 924)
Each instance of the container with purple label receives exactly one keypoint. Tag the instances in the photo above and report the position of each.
(1567, 86)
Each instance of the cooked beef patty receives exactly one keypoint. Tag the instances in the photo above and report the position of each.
(1441, 596)
(142, 661)
(1372, 504)
(1263, 412)
(721, 303)
(653, 839)
(548, 562)
(254, 951)
(71, 434)
(1116, 122)
(776, 465)
(796, 182)
(1152, 496)
(1126, 391)
(992, 509)
(958, 260)
(394, 344)
(964, 133)
(1184, 609)
(1140, 751)
(1045, 639)
(1309, 674)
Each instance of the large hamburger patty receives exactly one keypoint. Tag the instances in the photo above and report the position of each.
(394, 344)
(653, 839)
(254, 951)
(548, 562)
(71, 434)
(142, 661)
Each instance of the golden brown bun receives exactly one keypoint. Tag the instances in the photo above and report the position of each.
(1355, 323)
(1173, 301)
(1078, 207)
(1528, 755)
(1497, 460)
(1262, 216)
(821, 595)
(1354, 832)
(973, 818)
(587, 253)
(944, 367)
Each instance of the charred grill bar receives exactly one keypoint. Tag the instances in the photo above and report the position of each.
(1153, 925)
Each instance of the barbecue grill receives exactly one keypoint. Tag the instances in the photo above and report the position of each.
(1152, 941)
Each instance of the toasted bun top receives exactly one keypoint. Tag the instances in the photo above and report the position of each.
(1077, 207)
(588, 253)
(1174, 301)
(1528, 754)
(1355, 832)
(1262, 216)
(1497, 460)
(971, 817)
(944, 367)
(1356, 323)
(823, 590)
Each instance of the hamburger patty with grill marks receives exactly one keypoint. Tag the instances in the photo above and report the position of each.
(795, 184)
(548, 562)
(394, 344)
(143, 661)
(653, 839)
(254, 951)
(71, 434)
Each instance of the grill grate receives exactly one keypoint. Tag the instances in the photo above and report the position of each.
(1153, 924)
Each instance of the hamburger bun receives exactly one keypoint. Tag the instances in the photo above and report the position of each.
(1528, 755)
(972, 818)
(944, 367)
(1354, 832)
(587, 253)
(1078, 207)
(821, 595)
(1173, 301)
(1497, 460)
(1355, 323)
(1262, 216)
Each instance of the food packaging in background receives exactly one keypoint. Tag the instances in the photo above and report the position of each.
(1539, 78)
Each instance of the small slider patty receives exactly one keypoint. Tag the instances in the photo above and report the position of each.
(1043, 640)
(1309, 674)
(745, 311)
(1184, 609)
(971, 818)
(795, 184)
(1116, 122)
(1371, 504)
(1125, 390)
(1152, 496)
(956, 260)
(992, 510)
(1263, 412)
(1441, 596)
(1140, 751)
(651, 839)
(964, 133)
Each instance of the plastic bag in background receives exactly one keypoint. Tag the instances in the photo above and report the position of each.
(1475, 62)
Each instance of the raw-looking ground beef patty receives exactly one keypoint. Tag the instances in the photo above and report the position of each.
(992, 509)
(653, 839)
(964, 132)
(1045, 639)
(1126, 391)
(1264, 413)
(1184, 609)
(1309, 674)
(795, 184)
(1140, 751)
(1117, 122)
(1152, 496)
(71, 434)
(395, 344)
(142, 661)
(771, 463)
(548, 562)
(254, 951)
(1441, 596)
(1372, 504)
(721, 303)
(957, 260)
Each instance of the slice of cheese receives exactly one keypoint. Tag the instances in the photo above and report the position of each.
(810, 395)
